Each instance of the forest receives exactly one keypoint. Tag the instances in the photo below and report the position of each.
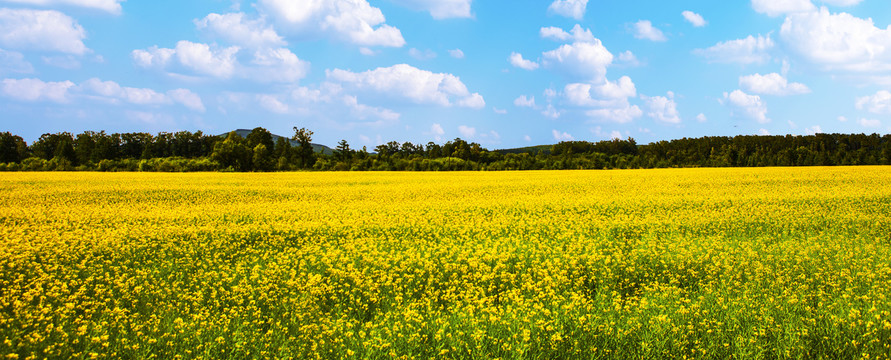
(262, 151)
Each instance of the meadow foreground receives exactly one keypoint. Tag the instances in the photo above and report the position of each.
(701, 263)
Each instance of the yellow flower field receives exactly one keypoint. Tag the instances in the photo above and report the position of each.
(675, 263)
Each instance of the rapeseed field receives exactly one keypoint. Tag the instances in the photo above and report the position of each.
(768, 263)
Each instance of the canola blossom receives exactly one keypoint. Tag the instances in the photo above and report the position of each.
(674, 263)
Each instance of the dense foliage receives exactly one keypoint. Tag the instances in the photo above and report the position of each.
(768, 263)
(186, 151)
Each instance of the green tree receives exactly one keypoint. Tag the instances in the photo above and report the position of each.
(231, 153)
(262, 158)
(260, 136)
(12, 148)
(304, 152)
(344, 153)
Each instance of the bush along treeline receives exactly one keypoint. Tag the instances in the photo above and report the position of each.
(258, 151)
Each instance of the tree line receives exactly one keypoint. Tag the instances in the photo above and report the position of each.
(258, 151)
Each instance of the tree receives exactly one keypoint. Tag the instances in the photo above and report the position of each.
(305, 154)
(262, 158)
(344, 153)
(232, 153)
(260, 136)
(12, 148)
(85, 145)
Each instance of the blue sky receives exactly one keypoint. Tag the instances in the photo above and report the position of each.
(501, 73)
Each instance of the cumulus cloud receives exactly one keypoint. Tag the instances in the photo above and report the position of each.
(14, 62)
(236, 29)
(562, 136)
(880, 103)
(775, 8)
(751, 50)
(838, 41)
(422, 55)
(619, 115)
(816, 129)
(558, 34)
(662, 108)
(42, 30)
(437, 130)
(272, 104)
(551, 112)
(36, 90)
(524, 101)
(416, 85)
(467, 131)
(694, 18)
(569, 8)
(113, 92)
(456, 53)
(751, 105)
(517, 60)
(869, 123)
(645, 30)
(771, 84)
(354, 21)
(440, 9)
(701, 118)
(110, 6)
(588, 60)
(265, 64)
(606, 94)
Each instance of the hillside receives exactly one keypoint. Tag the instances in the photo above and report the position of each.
(316, 147)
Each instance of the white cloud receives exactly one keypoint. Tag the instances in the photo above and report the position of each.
(362, 111)
(750, 50)
(517, 61)
(474, 101)
(523, 101)
(569, 8)
(527, 138)
(36, 90)
(499, 111)
(235, 29)
(775, 8)
(562, 136)
(110, 6)
(266, 64)
(43, 30)
(276, 65)
(662, 108)
(558, 34)
(619, 115)
(627, 58)
(644, 29)
(816, 129)
(69, 62)
(440, 9)
(838, 41)
(763, 132)
(880, 103)
(588, 60)
(694, 18)
(187, 99)
(771, 84)
(367, 52)
(456, 53)
(842, 119)
(552, 113)
(112, 92)
(14, 62)
(422, 55)
(416, 85)
(870, 123)
(701, 118)
(272, 104)
(550, 93)
(354, 21)
(751, 105)
(437, 129)
(466, 131)
(608, 94)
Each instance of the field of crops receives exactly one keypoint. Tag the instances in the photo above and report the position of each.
(702, 263)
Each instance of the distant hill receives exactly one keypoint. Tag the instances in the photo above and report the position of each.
(545, 149)
(315, 147)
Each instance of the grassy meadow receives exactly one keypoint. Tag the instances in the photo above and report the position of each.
(764, 263)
